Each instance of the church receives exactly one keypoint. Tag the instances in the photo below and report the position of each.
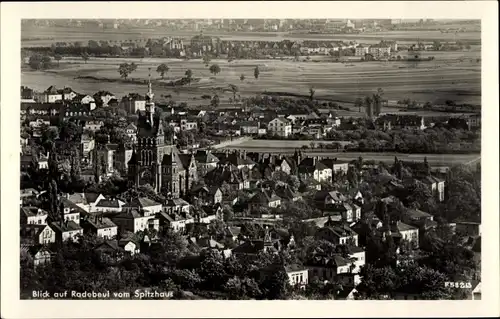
(155, 161)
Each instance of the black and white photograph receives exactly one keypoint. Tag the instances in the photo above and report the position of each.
(251, 159)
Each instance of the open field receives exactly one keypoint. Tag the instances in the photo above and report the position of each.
(435, 160)
(452, 75)
(48, 35)
(282, 144)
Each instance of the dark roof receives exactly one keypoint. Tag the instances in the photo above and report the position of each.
(172, 202)
(97, 223)
(294, 267)
(65, 226)
(33, 211)
(142, 202)
(432, 180)
(339, 229)
(310, 165)
(129, 214)
(330, 162)
(250, 247)
(402, 227)
(205, 157)
(263, 197)
(173, 158)
(109, 245)
(328, 261)
(185, 160)
(108, 203)
(417, 213)
(91, 197)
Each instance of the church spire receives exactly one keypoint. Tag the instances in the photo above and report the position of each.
(150, 93)
(150, 105)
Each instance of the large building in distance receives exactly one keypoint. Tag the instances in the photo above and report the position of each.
(156, 162)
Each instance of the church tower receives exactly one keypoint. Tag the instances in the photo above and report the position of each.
(153, 161)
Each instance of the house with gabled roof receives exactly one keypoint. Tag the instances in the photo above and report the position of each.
(207, 195)
(37, 234)
(280, 127)
(336, 165)
(338, 233)
(325, 197)
(419, 218)
(109, 205)
(68, 94)
(102, 98)
(313, 168)
(253, 248)
(85, 201)
(33, 215)
(328, 267)
(149, 206)
(100, 226)
(263, 198)
(66, 230)
(436, 186)
(40, 254)
(402, 231)
(205, 161)
(176, 220)
(52, 95)
(178, 205)
(131, 131)
(349, 211)
(134, 220)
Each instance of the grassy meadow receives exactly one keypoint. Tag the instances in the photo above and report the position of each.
(452, 75)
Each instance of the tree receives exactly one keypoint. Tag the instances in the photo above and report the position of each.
(85, 57)
(369, 106)
(234, 89)
(58, 58)
(242, 288)
(377, 101)
(214, 69)
(358, 103)
(215, 101)
(212, 269)
(189, 75)
(311, 93)
(49, 136)
(40, 62)
(376, 283)
(69, 131)
(162, 69)
(242, 77)
(125, 69)
(256, 72)
(276, 285)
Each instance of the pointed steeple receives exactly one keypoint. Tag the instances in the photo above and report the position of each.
(150, 105)
(150, 93)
